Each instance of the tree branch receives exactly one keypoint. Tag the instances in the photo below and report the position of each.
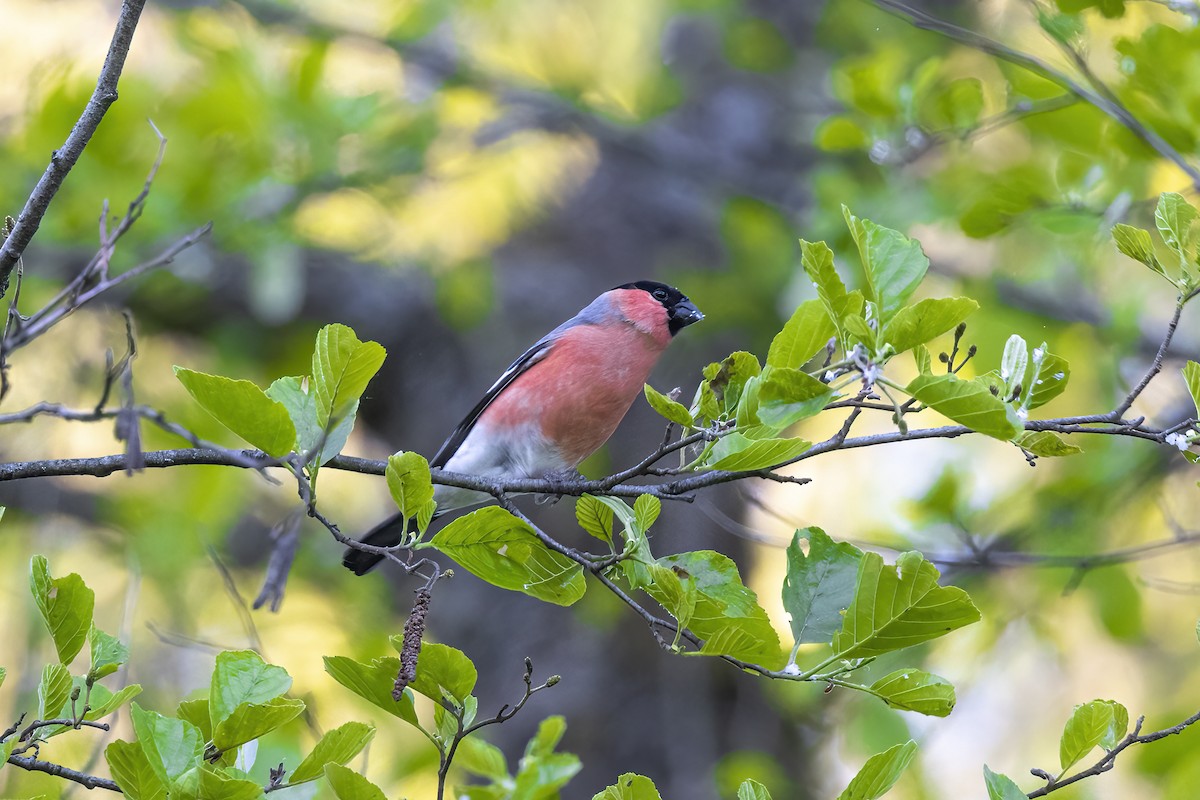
(59, 771)
(65, 157)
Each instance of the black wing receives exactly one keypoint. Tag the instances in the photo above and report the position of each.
(527, 360)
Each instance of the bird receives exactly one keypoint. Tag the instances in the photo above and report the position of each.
(556, 404)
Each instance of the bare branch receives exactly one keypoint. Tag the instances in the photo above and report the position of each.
(65, 157)
(59, 771)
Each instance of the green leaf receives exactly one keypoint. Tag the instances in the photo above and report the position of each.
(928, 319)
(104, 702)
(646, 509)
(727, 614)
(786, 396)
(802, 337)
(301, 403)
(196, 712)
(66, 605)
(752, 790)
(1191, 376)
(108, 654)
(243, 408)
(893, 264)
(880, 773)
(411, 487)
(542, 771)
(1051, 380)
(817, 260)
(249, 721)
(481, 758)
(728, 378)
(1089, 724)
(133, 773)
(441, 671)
(914, 690)
(666, 407)
(900, 606)
(494, 545)
(678, 595)
(342, 366)
(336, 747)
(241, 676)
(54, 689)
(208, 782)
(923, 359)
(1175, 218)
(1001, 787)
(968, 403)
(3, 675)
(1119, 727)
(1014, 364)
(820, 586)
(349, 785)
(1045, 443)
(374, 682)
(172, 746)
(630, 786)
(737, 453)
(1136, 243)
(595, 517)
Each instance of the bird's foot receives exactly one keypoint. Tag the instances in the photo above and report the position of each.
(569, 475)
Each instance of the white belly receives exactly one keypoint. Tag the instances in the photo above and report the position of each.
(517, 453)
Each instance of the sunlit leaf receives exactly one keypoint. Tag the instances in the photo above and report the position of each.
(735, 452)
(342, 366)
(481, 758)
(900, 606)
(132, 771)
(1001, 787)
(1045, 443)
(893, 264)
(301, 404)
(172, 746)
(1089, 725)
(1175, 218)
(926, 320)
(53, 690)
(241, 676)
(441, 670)
(1136, 243)
(915, 690)
(1191, 377)
(880, 773)
(66, 605)
(349, 785)
(595, 517)
(243, 408)
(494, 545)
(666, 407)
(107, 652)
(373, 682)
(336, 747)
(968, 403)
(752, 790)
(803, 336)
(410, 485)
(786, 396)
(630, 786)
(251, 720)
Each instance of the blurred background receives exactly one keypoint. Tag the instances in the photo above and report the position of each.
(453, 179)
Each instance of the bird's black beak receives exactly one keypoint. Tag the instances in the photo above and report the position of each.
(682, 314)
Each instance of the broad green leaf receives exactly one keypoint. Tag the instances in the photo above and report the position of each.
(1014, 364)
(1120, 726)
(494, 545)
(737, 453)
(1136, 243)
(1045, 443)
(1001, 787)
(923, 359)
(441, 670)
(53, 691)
(374, 682)
(666, 407)
(637, 545)
(249, 721)
(542, 771)
(297, 397)
(595, 517)
(900, 606)
(241, 676)
(336, 747)
(880, 773)
(208, 782)
(172, 746)
(676, 593)
(727, 615)
(1175, 218)
(481, 758)
(1191, 376)
(101, 702)
(914, 690)
(66, 605)
(857, 330)
(646, 509)
(196, 712)
(1051, 380)
(820, 586)
(893, 264)
(108, 653)
(817, 260)
(630, 786)
(243, 408)
(411, 487)
(802, 336)
(349, 785)
(1089, 725)
(752, 790)
(968, 403)
(132, 771)
(926, 320)
(342, 366)
(786, 396)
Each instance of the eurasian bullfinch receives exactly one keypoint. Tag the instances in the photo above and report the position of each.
(557, 403)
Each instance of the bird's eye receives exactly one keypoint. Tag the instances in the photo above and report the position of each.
(660, 294)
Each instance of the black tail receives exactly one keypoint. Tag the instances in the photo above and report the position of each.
(387, 533)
